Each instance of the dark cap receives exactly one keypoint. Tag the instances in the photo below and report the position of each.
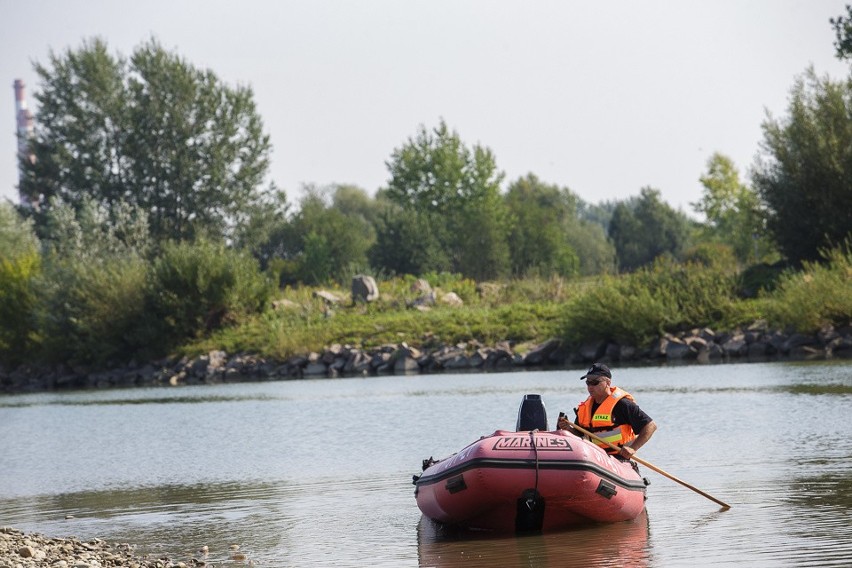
(598, 370)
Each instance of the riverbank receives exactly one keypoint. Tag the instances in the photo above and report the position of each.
(755, 343)
(20, 550)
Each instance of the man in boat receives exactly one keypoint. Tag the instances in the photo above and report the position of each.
(611, 414)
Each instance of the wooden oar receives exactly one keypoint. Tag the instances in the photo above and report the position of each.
(724, 505)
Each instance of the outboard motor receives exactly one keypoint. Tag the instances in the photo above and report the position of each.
(531, 414)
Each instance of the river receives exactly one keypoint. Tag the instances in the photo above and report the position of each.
(318, 472)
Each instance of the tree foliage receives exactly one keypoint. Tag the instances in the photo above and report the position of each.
(733, 212)
(152, 131)
(843, 34)
(456, 192)
(541, 214)
(94, 282)
(327, 239)
(406, 244)
(198, 287)
(20, 269)
(805, 171)
(644, 228)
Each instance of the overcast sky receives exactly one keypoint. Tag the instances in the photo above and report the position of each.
(602, 97)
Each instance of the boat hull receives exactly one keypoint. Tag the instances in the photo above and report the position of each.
(520, 481)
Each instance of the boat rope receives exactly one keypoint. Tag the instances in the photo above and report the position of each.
(531, 501)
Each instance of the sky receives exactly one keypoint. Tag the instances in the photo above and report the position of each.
(603, 98)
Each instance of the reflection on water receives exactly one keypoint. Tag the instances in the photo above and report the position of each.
(607, 545)
(318, 472)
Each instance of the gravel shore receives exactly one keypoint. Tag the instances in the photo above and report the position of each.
(20, 550)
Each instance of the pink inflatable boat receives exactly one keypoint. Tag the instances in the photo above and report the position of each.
(529, 480)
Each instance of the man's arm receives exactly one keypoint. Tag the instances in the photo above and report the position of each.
(643, 436)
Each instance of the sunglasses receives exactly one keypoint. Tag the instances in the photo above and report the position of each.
(593, 382)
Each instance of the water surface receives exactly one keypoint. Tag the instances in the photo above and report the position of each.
(318, 472)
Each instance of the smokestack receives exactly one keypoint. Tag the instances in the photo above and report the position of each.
(25, 132)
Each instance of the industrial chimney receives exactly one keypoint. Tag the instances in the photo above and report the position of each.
(25, 131)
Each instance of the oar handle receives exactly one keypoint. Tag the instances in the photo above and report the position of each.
(652, 466)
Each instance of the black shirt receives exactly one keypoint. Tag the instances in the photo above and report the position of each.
(626, 411)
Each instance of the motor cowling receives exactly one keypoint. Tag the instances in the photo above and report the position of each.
(532, 414)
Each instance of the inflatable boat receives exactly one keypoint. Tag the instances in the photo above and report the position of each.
(530, 479)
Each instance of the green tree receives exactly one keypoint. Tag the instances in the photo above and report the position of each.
(732, 211)
(590, 238)
(94, 283)
(198, 287)
(17, 236)
(805, 172)
(152, 131)
(843, 34)
(20, 269)
(259, 233)
(406, 244)
(644, 228)
(323, 242)
(538, 239)
(457, 192)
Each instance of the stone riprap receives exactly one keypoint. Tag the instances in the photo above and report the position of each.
(755, 343)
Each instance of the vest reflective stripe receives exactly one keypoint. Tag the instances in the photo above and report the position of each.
(601, 423)
(611, 436)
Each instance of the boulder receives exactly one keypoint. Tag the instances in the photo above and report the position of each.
(326, 296)
(678, 350)
(421, 286)
(452, 299)
(364, 289)
(284, 304)
(423, 302)
(539, 355)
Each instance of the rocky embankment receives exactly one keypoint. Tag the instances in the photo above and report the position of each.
(19, 550)
(756, 343)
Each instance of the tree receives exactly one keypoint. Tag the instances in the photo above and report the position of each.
(92, 294)
(320, 242)
(732, 211)
(843, 33)
(456, 190)
(153, 131)
(805, 173)
(406, 244)
(538, 238)
(17, 237)
(263, 221)
(644, 228)
(20, 268)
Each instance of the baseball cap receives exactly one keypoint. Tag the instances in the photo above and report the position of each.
(597, 370)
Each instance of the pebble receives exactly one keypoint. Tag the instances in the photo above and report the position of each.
(20, 550)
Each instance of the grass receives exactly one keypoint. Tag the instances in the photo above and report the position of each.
(628, 309)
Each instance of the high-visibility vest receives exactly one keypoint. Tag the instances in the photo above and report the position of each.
(601, 423)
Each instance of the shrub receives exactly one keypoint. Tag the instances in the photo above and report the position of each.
(636, 307)
(91, 309)
(198, 287)
(819, 295)
(615, 309)
(18, 301)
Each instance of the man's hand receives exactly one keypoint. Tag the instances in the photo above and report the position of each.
(563, 423)
(627, 452)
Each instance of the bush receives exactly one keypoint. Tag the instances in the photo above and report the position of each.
(759, 278)
(637, 307)
(18, 301)
(819, 295)
(201, 286)
(91, 309)
(615, 309)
